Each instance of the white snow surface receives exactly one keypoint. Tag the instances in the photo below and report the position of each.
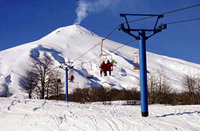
(68, 43)
(44, 115)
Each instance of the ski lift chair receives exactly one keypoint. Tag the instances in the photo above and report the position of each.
(71, 74)
(104, 56)
(136, 65)
(90, 73)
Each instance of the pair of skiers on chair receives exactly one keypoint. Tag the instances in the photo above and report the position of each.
(106, 67)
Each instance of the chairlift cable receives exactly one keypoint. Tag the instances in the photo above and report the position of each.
(123, 45)
(182, 21)
(94, 59)
(86, 52)
(173, 11)
(97, 43)
(169, 12)
(117, 27)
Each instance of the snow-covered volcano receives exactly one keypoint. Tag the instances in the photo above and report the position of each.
(68, 43)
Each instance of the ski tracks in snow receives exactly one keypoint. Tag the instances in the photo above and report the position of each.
(34, 115)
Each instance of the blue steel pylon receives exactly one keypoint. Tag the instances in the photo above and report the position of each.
(66, 67)
(66, 86)
(142, 54)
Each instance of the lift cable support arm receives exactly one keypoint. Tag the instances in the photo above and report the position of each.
(154, 31)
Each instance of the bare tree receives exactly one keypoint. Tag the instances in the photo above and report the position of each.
(43, 79)
(43, 68)
(55, 86)
(198, 84)
(198, 90)
(190, 85)
(29, 82)
(163, 85)
(152, 84)
(159, 88)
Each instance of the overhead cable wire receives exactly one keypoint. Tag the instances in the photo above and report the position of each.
(123, 45)
(173, 11)
(182, 21)
(195, 19)
(117, 27)
(126, 44)
(168, 12)
(94, 59)
(97, 43)
(86, 52)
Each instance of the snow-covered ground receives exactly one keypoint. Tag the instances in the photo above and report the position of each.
(68, 43)
(43, 115)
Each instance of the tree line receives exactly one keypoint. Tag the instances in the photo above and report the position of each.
(160, 91)
(43, 81)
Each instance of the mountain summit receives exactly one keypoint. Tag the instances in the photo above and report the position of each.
(68, 43)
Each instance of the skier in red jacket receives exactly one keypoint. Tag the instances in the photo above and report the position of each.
(71, 78)
(109, 67)
(103, 69)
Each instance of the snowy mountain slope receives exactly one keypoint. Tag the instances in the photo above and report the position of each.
(37, 115)
(67, 43)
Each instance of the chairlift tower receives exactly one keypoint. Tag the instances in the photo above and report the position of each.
(66, 67)
(142, 37)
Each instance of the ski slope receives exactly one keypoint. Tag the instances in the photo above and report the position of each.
(43, 115)
(68, 43)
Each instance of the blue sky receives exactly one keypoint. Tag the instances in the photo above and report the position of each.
(23, 21)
